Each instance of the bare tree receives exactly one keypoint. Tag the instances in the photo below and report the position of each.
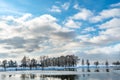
(25, 62)
(107, 66)
(88, 65)
(33, 63)
(83, 65)
(96, 63)
(4, 62)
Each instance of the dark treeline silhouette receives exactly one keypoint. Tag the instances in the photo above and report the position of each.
(43, 61)
(107, 66)
(51, 77)
(61, 77)
(117, 65)
(10, 63)
(96, 63)
(88, 64)
(67, 62)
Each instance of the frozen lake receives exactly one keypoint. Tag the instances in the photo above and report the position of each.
(58, 75)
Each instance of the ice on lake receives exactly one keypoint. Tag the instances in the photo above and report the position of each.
(58, 75)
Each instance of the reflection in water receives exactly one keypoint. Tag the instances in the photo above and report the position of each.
(33, 76)
(88, 69)
(28, 76)
(3, 77)
(70, 69)
(60, 77)
(83, 70)
(97, 76)
(94, 69)
(10, 75)
(44, 77)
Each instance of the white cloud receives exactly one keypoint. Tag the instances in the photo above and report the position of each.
(76, 6)
(112, 29)
(88, 15)
(43, 34)
(110, 13)
(105, 14)
(99, 40)
(59, 8)
(55, 9)
(105, 50)
(88, 29)
(110, 34)
(33, 34)
(84, 14)
(43, 23)
(73, 24)
(115, 5)
(25, 17)
(114, 23)
(66, 5)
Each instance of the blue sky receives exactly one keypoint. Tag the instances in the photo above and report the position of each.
(87, 28)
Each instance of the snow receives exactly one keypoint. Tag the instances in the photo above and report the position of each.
(49, 72)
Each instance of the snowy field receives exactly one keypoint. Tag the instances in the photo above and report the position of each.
(55, 70)
(49, 72)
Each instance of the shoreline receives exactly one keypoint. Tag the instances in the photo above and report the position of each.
(50, 72)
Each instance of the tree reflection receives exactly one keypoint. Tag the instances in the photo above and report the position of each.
(28, 76)
(61, 77)
(3, 77)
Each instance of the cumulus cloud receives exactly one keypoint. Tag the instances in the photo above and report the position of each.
(66, 34)
(75, 20)
(43, 24)
(88, 15)
(83, 14)
(28, 35)
(32, 34)
(109, 34)
(73, 24)
(113, 23)
(105, 14)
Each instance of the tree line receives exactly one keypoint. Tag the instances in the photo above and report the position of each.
(46, 61)
(43, 61)
(96, 63)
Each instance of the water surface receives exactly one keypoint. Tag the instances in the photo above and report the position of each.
(97, 76)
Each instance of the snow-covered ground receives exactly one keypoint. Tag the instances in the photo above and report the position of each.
(27, 68)
(52, 68)
(49, 72)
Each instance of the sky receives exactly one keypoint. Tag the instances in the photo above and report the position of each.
(86, 28)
